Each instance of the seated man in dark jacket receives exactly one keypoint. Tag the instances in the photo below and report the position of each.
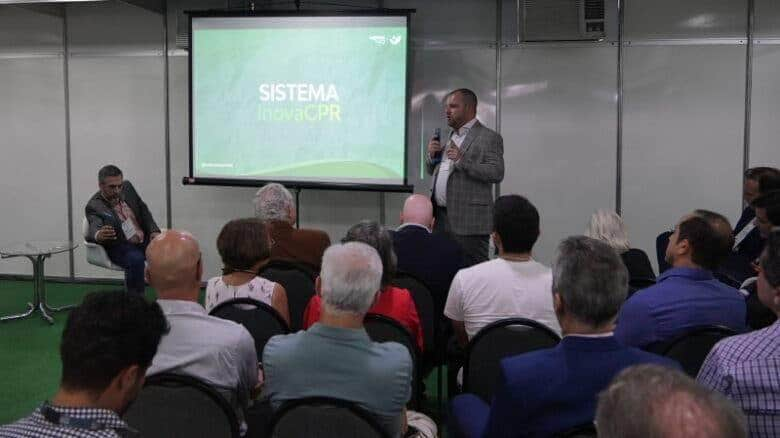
(121, 222)
(551, 390)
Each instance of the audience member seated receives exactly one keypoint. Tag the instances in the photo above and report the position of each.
(745, 367)
(512, 285)
(244, 246)
(274, 204)
(607, 226)
(552, 390)
(767, 210)
(335, 357)
(392, 301)
(107, 345)
(120, 221)
(217, 351)
(687, 295)
(748, 241)
(648, 401)
(433, 258)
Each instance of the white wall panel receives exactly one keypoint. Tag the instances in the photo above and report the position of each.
(446, 22)
(32, 171)
(113, 26)
(765, 108)
(766, 19)
(117, 117)
(673, 19)
(558, 119)
(24, 30)
(683, 135)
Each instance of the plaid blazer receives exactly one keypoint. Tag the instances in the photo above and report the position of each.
(470, 185)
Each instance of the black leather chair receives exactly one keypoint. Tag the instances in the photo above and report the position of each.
(298, 282)
(381, 328)
(261, 320)
(173, 406)
(324, 417)
(692, 348)
(504, 338)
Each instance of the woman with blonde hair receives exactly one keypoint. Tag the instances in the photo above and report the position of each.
(607, 226)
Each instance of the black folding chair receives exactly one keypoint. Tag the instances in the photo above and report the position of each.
(173, 406)
(692, 348)
(381, 328)
(298, 282)
(423, 301)
(637, 284)
(324, 417)
(261, 320)
(504, 338)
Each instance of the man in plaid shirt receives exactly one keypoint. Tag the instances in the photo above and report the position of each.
(108, 343)
(746, 368)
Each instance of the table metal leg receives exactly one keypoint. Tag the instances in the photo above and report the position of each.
(30, 310)
(42, 293)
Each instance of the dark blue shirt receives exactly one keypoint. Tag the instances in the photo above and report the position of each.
(681, 299)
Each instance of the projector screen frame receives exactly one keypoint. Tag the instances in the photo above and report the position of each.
(298, 185)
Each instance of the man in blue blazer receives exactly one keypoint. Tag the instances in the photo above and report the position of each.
(551, 390)
(432, 258)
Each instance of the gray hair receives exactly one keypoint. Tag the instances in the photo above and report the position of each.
(375, 235)
(273, 202)
(591, 279)
(651, 401)
(350, 277)
(607, 226)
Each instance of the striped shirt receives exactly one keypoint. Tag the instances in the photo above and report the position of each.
(69, 423)
(746, 369)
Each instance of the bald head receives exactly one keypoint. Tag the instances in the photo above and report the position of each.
(418, 210)
(173, 265)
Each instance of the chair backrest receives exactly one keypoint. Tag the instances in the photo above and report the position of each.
(423, 300)
(172, 406)
(261, 320)
(381, 328)
(298, 282)
(84, 228)
(324, 417)
(504, 338)
(691, 348)
(587, 430)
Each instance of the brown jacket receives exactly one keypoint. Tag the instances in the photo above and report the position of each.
(298, 245)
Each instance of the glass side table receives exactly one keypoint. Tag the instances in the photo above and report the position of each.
(37, 252)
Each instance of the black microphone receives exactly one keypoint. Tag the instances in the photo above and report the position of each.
(437, 156)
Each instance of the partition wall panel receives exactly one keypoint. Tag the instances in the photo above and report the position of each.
(683, 119)
(558, 119)
(689, 19)
(32, 171)
(765, 98)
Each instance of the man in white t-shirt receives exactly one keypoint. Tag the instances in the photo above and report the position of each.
(513, 285)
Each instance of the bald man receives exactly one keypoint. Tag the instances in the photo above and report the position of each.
(433, 258)
(217, 351)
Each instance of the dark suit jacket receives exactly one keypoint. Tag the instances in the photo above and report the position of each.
(548, 391)
(433, 258)
(300, 246)
(98, 210)
(470, 184)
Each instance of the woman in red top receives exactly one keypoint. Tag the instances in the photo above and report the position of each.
(391, 301)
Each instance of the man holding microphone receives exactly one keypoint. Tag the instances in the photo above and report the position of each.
(464, 167)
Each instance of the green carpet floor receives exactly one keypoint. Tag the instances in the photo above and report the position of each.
(29, 348)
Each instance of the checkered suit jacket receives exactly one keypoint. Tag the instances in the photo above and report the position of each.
(470, 185)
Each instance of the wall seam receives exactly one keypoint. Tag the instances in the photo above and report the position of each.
(68, 151)
(619, 110)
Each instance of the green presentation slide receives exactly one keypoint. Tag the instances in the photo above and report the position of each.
(309, 99)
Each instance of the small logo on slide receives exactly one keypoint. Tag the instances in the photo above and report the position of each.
(379, 39)
(395, 39)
